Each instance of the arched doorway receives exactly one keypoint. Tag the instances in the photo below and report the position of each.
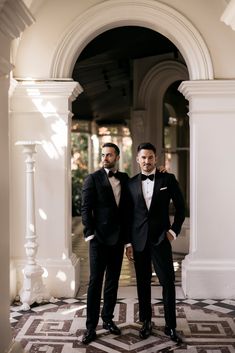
(156, 16)
(143, 13)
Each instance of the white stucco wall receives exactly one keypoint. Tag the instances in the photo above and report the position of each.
(205, 16)
(36, 52)
(39, 42)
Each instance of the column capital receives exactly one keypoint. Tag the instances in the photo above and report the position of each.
(209, 95)
(45, 87)
(207, 87)
(45, 96)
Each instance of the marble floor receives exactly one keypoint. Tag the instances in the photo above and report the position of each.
(208, 326)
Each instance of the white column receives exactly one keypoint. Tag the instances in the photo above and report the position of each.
(209, 269)
(33, 289)
(138, 134)
(40, 111)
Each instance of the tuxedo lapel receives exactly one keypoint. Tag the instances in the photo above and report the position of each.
(106, 185)
(156, 188)
(139, 190)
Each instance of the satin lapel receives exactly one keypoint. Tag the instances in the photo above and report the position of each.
(156, 188)
(139, 190)
(106, 184)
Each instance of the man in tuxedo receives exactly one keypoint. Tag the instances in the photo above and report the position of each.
(151, 235)
(104, 219)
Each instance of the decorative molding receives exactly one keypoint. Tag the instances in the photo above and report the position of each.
(218, 95)
(146, 13)
(68, 88)
(161, 75)
(201, 88)
(228, 16)
(14, 18)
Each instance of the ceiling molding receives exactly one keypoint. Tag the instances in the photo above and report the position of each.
(228, 16)
(14, 18)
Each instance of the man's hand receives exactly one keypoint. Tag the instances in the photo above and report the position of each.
(169, 237)
(162, 169)
(129, 253)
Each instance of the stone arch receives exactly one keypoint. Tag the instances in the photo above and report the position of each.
(150, 96)
(145, 13)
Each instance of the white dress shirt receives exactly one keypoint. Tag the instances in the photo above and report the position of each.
(116, 186)
(147, 188)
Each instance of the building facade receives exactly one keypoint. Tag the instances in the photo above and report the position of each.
(40, 43)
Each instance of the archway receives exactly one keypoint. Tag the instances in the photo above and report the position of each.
(155, 16)
(151, 14)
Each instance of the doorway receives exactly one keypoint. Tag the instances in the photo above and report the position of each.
(112, 70)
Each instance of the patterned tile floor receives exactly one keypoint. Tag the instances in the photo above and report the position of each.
(208, 326)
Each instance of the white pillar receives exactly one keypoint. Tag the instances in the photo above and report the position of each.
(40, 111)
(138, 135)
(33, 289)
(209, 269)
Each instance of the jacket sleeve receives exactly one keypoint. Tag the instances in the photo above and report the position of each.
(128, 213)
(87, 208)
(179, 204)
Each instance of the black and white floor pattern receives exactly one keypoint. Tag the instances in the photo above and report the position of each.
(208, 326)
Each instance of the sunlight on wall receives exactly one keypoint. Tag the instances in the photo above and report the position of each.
(58, 140)
(64, 257)
(42, 214)
(50, 149)
(61, 276)
(72, 285)
(45, 273)
(60, 137)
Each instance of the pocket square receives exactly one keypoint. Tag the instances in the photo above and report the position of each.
(163, 188)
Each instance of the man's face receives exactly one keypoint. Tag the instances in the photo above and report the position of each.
(147, 160)
(109, 157)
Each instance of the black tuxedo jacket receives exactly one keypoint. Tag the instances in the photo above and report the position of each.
(100, 214)
(155, 222)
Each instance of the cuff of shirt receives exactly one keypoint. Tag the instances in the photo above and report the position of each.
(90, 237)
(127, 245)
(172, 233)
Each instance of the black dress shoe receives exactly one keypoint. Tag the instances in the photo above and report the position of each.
(89, 336)
(111, 327)
(173, 335)
(146, 329)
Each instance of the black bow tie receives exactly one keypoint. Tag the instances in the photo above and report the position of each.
(111, 174)
(144, 177)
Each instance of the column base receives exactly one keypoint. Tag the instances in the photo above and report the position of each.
(208, 279)
(61, 277)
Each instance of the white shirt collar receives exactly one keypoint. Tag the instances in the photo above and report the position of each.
(108, 170)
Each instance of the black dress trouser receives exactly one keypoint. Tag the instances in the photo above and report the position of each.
(104, 260)
(161, 257)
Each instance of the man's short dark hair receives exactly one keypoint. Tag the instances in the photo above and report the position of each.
(146, 146)
(110, 144)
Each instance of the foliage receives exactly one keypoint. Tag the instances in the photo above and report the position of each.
(79, 165)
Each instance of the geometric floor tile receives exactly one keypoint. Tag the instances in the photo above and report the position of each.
(58, 328)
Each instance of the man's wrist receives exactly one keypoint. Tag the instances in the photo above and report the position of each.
(172, 233)
(128, 245)
(90, 237)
